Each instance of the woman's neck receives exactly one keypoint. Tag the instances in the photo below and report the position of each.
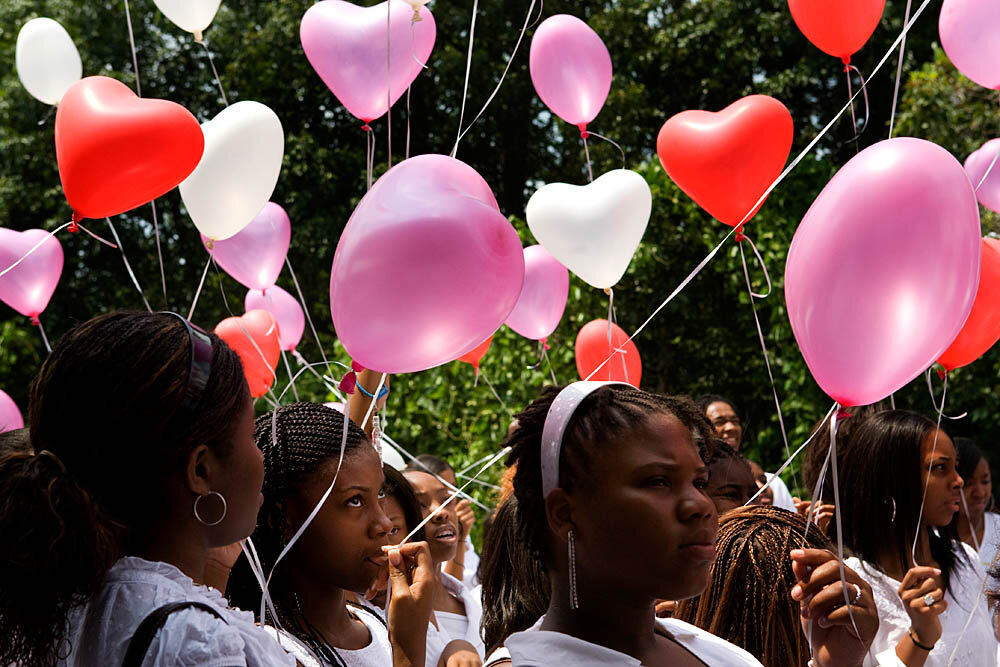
(325, 608)
(177, 545)
(967, 524)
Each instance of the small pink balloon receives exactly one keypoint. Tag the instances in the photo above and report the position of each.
(969, 30)
(426, 269)
(571, 68)
(285, 308)
(255, 255)
(543, 296)
(883, 269)
(976, 165)
(10, 416)
(28, 287)
(346, 45)
(336, 405)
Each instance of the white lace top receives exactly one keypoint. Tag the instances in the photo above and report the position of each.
(977, 647)
(100, 631)
(991, 539)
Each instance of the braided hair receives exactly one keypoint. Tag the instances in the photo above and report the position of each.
(299, 442)
(605, 416)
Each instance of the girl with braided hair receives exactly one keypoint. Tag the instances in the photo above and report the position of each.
(340, 551)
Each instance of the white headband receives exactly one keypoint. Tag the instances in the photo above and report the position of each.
(556, 420)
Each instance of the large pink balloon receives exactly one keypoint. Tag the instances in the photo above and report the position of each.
(28, 287)
(10, 416)
(883, 269)
(571, 68)
(426, 269)
(977, 164)
(285, 308)
(543, 296)
(255, 255)
(969, 32)
(346, 45)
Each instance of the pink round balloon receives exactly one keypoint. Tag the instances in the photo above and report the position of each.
(28, 287)
(426, 269)
(285, 308)
(883, 269)
(10, 416)
(571, 68)
(336, 405)
(255, 255)
(346, 45)
(969, 32)
(977, 164)
(543, 296)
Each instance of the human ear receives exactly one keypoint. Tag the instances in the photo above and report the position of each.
(198, 470)
(559, 507)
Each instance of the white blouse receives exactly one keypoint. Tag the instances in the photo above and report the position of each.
(438, 638)
(378, 653)
(101, 630)
(542, 648)
(965, 596)
(991, 540)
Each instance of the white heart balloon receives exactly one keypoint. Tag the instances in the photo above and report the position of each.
(191, 15)
(47, 60)
(594, 229)
(244, 145)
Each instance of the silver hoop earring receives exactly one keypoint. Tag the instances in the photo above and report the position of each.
(225, 507)
(893, 518)
(574, 600)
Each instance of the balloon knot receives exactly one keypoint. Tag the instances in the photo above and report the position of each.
(583, 131)
(73, 227)
(545, 343)
(416, 17)
(842, 413)
(366, 127)
(740, 237)
(349, 383)
(210, 245)
(356, 367)
(847, 63)
(942, 373)
(34, 321)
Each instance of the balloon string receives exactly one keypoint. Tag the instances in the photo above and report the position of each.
(305, 309)
(837, 519)
(468, 69)
(586, 152)
(552, 371)
(215, 72)
(979, 598)
(611, 319)
(992, 164)
(194, 302)
(448, 485)
(135, 58)
(45, 118)
(930, 388)
(816, 500)
(258, 572)
(159, 252)
(41, 330)
(892, 400)
(615, 144)
(388, 80)
(478, 462)
(128, 267)
(408, 90)
(794, 163)
(930, 466)
(479, 482)
(34, 248)
(899, 73)
(489, 100)
(96, 237)
(854, 121)
(413, 39)
(269, 301)
(371, 404)
(760, 262)
(495, 393)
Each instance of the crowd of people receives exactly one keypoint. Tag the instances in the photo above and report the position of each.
(629, 530)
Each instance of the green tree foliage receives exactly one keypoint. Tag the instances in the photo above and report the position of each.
(669, 55)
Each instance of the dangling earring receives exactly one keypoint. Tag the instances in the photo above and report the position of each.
(574, 601)
(893, 518)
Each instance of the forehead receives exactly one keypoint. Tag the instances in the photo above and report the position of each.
(730, 471)
(719, 409)
(392, 507)
(662, 438)
(424, 483)
(942, 447)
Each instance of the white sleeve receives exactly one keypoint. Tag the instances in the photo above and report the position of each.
(196, 638)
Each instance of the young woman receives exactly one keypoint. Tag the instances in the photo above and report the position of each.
(730, 480)
(899, 486)
(142, 428)
(610, 486)
(754, 577)
(340, 551)
(978, 526)
(453, 637)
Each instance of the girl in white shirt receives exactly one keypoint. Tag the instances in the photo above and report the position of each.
(978, 526)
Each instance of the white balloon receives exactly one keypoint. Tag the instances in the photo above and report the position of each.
(594, 229)
(244, 145)
(47, 60)
(191, 15)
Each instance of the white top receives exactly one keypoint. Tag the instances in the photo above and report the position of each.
(966, 596)
(441, 636)
(991, 540)
(378, 653)
(543, 648)
(497, 657)
(100, 631)
(782, 496)
(471, 575)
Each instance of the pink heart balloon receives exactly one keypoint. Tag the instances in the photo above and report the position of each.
(977, 164)
(346, 45)
(570, 68)
(883, 269)
(255, 255)
(28, 287)
(285, 308)
(543, 296)
(10, 416)
(426, 269)
(968, 30)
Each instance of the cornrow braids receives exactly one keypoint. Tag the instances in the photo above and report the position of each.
(751, 578)
(605, 416)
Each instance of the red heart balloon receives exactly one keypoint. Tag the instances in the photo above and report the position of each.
(837, 27)
(982, 329)
(726, 160)
(254, 337)
(117, 151)
(593, 347)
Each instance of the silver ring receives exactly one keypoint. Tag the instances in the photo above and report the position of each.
(857, 594)
(929, 600)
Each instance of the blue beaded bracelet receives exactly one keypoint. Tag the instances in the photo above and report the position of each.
(381, 394)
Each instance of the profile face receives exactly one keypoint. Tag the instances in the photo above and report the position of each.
(726, 423)
(941, 479)
(978, 488)
(442, 531)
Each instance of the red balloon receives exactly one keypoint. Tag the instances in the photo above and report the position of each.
(117, 151)
(982, 329)
(262, 328)
(837, 27)
(477, 353)
(592, 348)
(726, 160)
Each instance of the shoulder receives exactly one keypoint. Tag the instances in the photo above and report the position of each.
(374, 622)
(709, 648)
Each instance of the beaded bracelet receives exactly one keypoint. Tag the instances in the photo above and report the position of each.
(381, 394)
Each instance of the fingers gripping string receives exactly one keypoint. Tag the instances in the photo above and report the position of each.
(837, 518)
